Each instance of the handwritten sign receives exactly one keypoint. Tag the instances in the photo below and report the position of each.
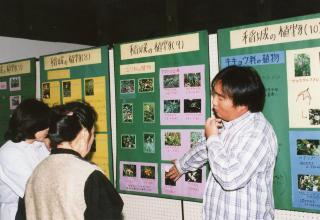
(163, 46)
(79, 58)
(137, 68)
(308, 29)
(267, 58)
(15, 68)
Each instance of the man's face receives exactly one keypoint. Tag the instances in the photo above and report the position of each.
(222, 105)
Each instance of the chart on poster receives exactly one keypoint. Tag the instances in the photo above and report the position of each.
(17, 82)
(82, 75)
(286, 54)
(162, 101)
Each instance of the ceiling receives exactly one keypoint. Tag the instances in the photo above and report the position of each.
(100, 22)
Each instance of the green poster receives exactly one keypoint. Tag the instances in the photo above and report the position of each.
(17, 82)
(162, 101)
(82, 75)
(286, 54)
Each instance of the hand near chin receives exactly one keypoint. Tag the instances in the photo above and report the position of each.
(212, 126)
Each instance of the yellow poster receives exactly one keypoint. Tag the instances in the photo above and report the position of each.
(95, 95)
(51, 93)
(71, 90)
(100, 156)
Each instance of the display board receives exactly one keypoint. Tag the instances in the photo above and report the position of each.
(286, 54)
(82, 75)
(17, 82)
(162, 101)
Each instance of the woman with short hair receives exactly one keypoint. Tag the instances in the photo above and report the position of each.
(23, 150)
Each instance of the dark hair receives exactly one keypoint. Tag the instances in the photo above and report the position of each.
(243, 85)
(68, 120)
(28, 118)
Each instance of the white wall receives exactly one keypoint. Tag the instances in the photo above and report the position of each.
(12, 49)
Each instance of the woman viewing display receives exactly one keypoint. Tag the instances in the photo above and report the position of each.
(66, 186)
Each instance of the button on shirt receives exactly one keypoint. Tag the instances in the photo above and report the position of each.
(242, 159)
(17, 161)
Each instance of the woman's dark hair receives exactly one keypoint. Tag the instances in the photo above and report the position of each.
(243, 85)
(68, 120)
(27, 119)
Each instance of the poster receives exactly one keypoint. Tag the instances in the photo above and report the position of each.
(305, 160)
(286, 55)
(82, 75)
(162, 105)
(17, 83)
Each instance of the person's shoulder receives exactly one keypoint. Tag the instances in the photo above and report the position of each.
(11, 152)
(9, 147)
(261, 123)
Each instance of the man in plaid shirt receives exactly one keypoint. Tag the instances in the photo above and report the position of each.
(241, 149)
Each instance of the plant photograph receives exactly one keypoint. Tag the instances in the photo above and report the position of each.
(171, 81)
(89, 87)
(128, 141)
(15, 83)
(172, 139)
(308, 147)
(301, 65)
(147, 172)
(14, 101)
(129, 170)
(171, 106)
(194, 176)
(195, 138)
(66, 89)
(46, 90)
(192, 105)
(168, 181)
(145, 85)
(314, 116)
(127, 112)
(148, 112)
(309, 183)
(127, 86)
(192, 80)
(148, 143)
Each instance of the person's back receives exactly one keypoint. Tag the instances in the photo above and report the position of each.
(65, 186)
(57, 185)
(23, 150)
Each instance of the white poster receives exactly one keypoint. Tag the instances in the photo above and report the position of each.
(303, 70)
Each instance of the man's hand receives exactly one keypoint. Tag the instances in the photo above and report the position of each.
(212, 126)
(173, 173)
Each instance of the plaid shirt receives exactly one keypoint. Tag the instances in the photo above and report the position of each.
(242, 159)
